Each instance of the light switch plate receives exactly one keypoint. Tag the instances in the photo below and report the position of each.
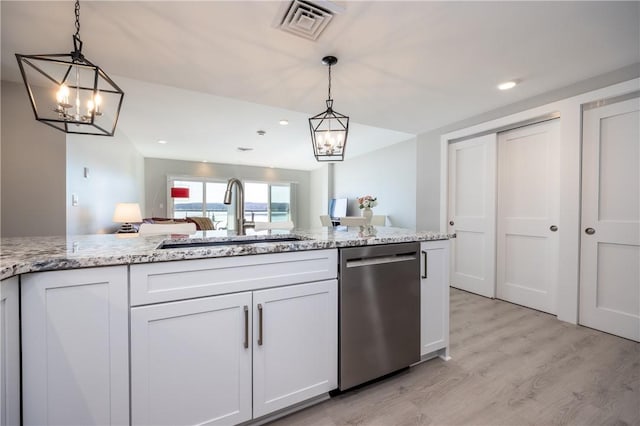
(74, 199)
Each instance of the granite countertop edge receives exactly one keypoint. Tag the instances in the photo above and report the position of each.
(36, 254)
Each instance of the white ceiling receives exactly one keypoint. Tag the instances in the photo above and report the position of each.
(217, 71)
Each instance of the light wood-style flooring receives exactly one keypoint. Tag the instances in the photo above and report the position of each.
(510, 366)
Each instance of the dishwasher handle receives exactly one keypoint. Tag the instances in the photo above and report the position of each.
(379, 260)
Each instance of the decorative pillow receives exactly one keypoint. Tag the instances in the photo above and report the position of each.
(202, 223)
(163, 220)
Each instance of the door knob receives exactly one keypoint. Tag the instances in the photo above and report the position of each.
(590, 231)
(553, 228)
(451, 223)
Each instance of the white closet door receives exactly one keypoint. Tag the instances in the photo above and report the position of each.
(472, 191)
(528, 211)
(610, 238)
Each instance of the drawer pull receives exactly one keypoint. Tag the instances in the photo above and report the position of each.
(246, 326)
(424, 260)
(260, 341)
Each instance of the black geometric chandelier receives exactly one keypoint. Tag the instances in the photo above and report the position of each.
(329, 129)
(70, 93)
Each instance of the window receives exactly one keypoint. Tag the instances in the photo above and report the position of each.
(280, 203)
(205, 199)
(263, 202)
(192, 206)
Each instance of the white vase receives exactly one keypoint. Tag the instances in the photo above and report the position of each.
(367, 213)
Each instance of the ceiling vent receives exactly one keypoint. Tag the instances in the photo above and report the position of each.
(305, 19)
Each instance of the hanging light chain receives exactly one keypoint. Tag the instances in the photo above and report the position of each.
(329, 82)
(77, 34)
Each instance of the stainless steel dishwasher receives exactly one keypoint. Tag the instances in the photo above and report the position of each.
(379, 311)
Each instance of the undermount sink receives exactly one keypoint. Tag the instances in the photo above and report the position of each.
(229, 242)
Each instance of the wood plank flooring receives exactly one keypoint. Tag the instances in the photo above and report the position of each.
(510, 366)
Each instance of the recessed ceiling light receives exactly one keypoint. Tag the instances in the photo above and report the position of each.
(244, 149)
(161, 141)
(284, 122)
(507, 85)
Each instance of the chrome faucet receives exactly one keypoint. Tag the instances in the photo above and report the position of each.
(241, 224)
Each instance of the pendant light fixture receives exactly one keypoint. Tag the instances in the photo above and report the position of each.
(329, 129)
(70, 93)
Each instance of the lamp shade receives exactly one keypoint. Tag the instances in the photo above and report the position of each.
(179, 192)
(127, 213)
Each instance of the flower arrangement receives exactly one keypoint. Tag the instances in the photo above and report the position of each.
(367, 201)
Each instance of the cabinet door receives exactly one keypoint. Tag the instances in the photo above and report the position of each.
(9, 353)
(75, 353)
(434, 297)
(295, 352)
(191, 361)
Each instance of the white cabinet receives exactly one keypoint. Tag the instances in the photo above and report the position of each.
(75, 353)
(295, 350)
(9, 352)
(434, 299)
(191, 361)
(224, 357)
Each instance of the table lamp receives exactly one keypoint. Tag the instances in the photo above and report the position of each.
(126, 213)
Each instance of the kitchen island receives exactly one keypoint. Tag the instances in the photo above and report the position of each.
(116, 330)
(36, 254)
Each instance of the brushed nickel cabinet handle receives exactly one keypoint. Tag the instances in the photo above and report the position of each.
(246, 326)
(553, 228)
(424, 260)
(260, 341)
(590, 231)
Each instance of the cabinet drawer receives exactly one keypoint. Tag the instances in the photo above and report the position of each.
(162, 282)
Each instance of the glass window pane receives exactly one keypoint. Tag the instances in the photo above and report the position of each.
(192, 206)
(280, 203)
(256, 196)
(216, 209)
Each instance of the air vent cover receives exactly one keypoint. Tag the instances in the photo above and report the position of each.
(305, 19)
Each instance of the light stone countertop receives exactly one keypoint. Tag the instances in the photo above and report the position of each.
(35, 254)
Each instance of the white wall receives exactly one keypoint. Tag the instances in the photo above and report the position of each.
(156, 172)
(388, 174)
(116, 175)
(33, 178)
(320, 192)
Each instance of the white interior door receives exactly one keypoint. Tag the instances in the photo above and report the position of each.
(528, 212)
(610, 238)
(472, 212)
